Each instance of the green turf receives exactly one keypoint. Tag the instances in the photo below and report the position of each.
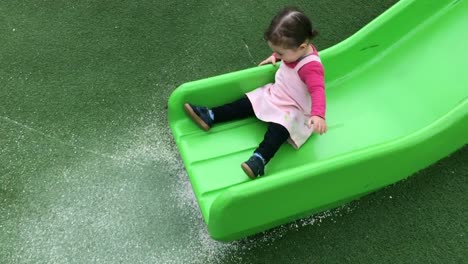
(89, 171)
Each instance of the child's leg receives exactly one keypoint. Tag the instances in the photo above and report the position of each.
(239, 109)
(205, 117)
(275, 136)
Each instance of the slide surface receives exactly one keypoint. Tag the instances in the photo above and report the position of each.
(396, 103)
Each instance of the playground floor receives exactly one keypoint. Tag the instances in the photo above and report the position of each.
(89, 172)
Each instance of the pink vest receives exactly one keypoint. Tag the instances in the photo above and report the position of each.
(286, 102)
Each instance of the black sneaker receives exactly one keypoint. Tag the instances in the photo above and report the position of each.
(254, 167)
(200, 115)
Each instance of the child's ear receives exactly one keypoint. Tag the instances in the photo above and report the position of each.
(303, 45)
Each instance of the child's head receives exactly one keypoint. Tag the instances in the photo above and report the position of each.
(290, 30)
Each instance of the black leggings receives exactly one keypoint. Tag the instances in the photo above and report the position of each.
(275, 135)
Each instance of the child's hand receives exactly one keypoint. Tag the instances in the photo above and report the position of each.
(320, 126)
(271, 59)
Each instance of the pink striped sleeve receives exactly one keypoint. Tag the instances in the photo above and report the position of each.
(312, 74)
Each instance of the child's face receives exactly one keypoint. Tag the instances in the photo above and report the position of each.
(289, 55)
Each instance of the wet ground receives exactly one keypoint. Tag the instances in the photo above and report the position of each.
(89, 172)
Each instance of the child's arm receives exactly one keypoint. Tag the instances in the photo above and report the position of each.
(312, 75)
(272, 59)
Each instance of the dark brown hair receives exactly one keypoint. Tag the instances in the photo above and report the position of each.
(290, 28)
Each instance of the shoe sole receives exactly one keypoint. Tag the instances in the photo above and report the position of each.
(248, 171)
(189, 110)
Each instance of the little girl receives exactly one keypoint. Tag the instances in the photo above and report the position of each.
(293, 106)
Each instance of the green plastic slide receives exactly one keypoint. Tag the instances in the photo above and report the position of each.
(396, 103)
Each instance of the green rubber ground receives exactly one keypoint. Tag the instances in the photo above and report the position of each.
(88, 169)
